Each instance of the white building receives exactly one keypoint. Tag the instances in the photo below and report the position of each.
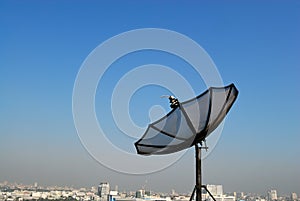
(103, 191)
(215, 190)
(272, 195)
(294, 196)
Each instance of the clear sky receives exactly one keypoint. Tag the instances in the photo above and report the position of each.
(253, 44)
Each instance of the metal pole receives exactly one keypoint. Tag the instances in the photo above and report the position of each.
(198, 173)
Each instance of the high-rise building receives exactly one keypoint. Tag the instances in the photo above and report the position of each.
(242, 195)
(272, 195)
(215, 190)
(103, 191)
(294, 196)
(140, 193)
(35, 186)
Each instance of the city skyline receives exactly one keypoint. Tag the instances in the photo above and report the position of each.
(215, 189)
(254, 45)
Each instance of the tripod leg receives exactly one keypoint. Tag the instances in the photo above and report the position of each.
(203, 186)
(191, 198)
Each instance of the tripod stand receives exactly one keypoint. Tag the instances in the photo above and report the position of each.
(198, 187)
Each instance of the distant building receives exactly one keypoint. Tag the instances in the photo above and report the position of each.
(140, 193)
(235, 195)
(215, 190)
(272, 195)
(294, 196)
(103, 191)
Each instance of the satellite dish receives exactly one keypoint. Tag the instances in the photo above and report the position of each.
(188, 124)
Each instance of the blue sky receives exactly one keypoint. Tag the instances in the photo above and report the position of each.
(253, 44)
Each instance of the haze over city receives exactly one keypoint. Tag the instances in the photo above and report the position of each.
(253, 44)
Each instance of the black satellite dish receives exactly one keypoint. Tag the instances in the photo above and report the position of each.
(188, 124)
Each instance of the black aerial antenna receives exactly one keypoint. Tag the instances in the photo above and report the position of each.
(188, 124)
